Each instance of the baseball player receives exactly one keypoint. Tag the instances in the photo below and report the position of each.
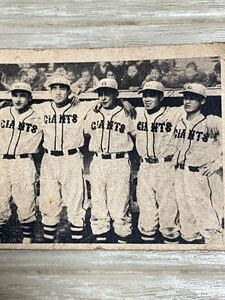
(155, 186)
(109, 130)
(20, 135)
(198, 179)
(61, 174)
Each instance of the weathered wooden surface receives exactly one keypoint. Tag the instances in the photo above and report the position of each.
(110, 274)
(105, 23)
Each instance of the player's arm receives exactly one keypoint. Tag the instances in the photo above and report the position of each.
(215, 166)
(5, 103)
(128, 108)
(84, 149)
(74, 98)
(131, 125)
(214, 126)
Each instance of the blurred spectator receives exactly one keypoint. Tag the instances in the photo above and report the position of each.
(192, 74)
(118, 68)
(86, 83)
(59, 69)
(42, 67)
(35, 78)
(8, 75)
(132, 78)
(143, 68)
(215, 76)
(170, 77)
(70, 74)
(111, 74)
(154, 75)
(100, 69)
(5, 84)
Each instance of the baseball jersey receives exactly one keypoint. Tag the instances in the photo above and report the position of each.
(154, 132)
(109, 130)
(62, 126)
(19, 132)
(195, 147)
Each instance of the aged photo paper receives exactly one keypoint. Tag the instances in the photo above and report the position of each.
(112, 148)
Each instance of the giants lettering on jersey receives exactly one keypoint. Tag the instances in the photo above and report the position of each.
(65, 119)
(155, 127)
(191, 135)
(110, 125)
(23, 126)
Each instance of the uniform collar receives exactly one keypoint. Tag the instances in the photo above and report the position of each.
(113, 110)
(63, 108)
(197, 119)
(155, 114)
(23, 115)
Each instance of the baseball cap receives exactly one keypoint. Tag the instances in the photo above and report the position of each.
(58, 80)
(21, 86)
(195, 88)
(109, 83)
(152, 85)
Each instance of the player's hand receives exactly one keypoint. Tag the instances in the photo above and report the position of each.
(97, 107)
(129, 109)
(210, 169)
(213, 127)
(2, 104)
(74, 99)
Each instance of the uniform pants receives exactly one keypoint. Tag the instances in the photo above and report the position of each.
(200, 205)
(61, 184)
(156, 200)
(17, 180)
(110, 186)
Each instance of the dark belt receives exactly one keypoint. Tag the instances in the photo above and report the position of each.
(191, 168)
(109, 156)
(61, 153)
(155, 160)
(12, 156)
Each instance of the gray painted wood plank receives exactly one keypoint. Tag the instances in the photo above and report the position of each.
(109, 24)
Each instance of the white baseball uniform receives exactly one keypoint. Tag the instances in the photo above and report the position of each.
(110, 140)
(199, 197)
(20, 137)
(61, 175)
(155, 186)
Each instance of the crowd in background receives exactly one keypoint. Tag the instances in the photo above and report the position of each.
(130, 75)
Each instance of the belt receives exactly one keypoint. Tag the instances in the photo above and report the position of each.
(190, 168)
(61, 153)
(113, 155)
(155, 160)
(12, 156)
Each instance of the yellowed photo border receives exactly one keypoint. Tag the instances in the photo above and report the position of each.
(114, 54)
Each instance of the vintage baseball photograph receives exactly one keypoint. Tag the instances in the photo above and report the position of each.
(111, 151)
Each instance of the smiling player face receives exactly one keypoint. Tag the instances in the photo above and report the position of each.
(106, 97)
(20, 100)
(60, 93)
(192, 102)
(151, 99)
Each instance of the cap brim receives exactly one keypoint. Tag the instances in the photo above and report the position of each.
(21, 90)
(96, 90)
(141, 91)
(188, 91)
(54, 83)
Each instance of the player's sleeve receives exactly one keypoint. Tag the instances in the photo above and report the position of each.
(175, 114)
(131, 126)
(39, 108)
(214, 127)
(86, 124)
(87, 105)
